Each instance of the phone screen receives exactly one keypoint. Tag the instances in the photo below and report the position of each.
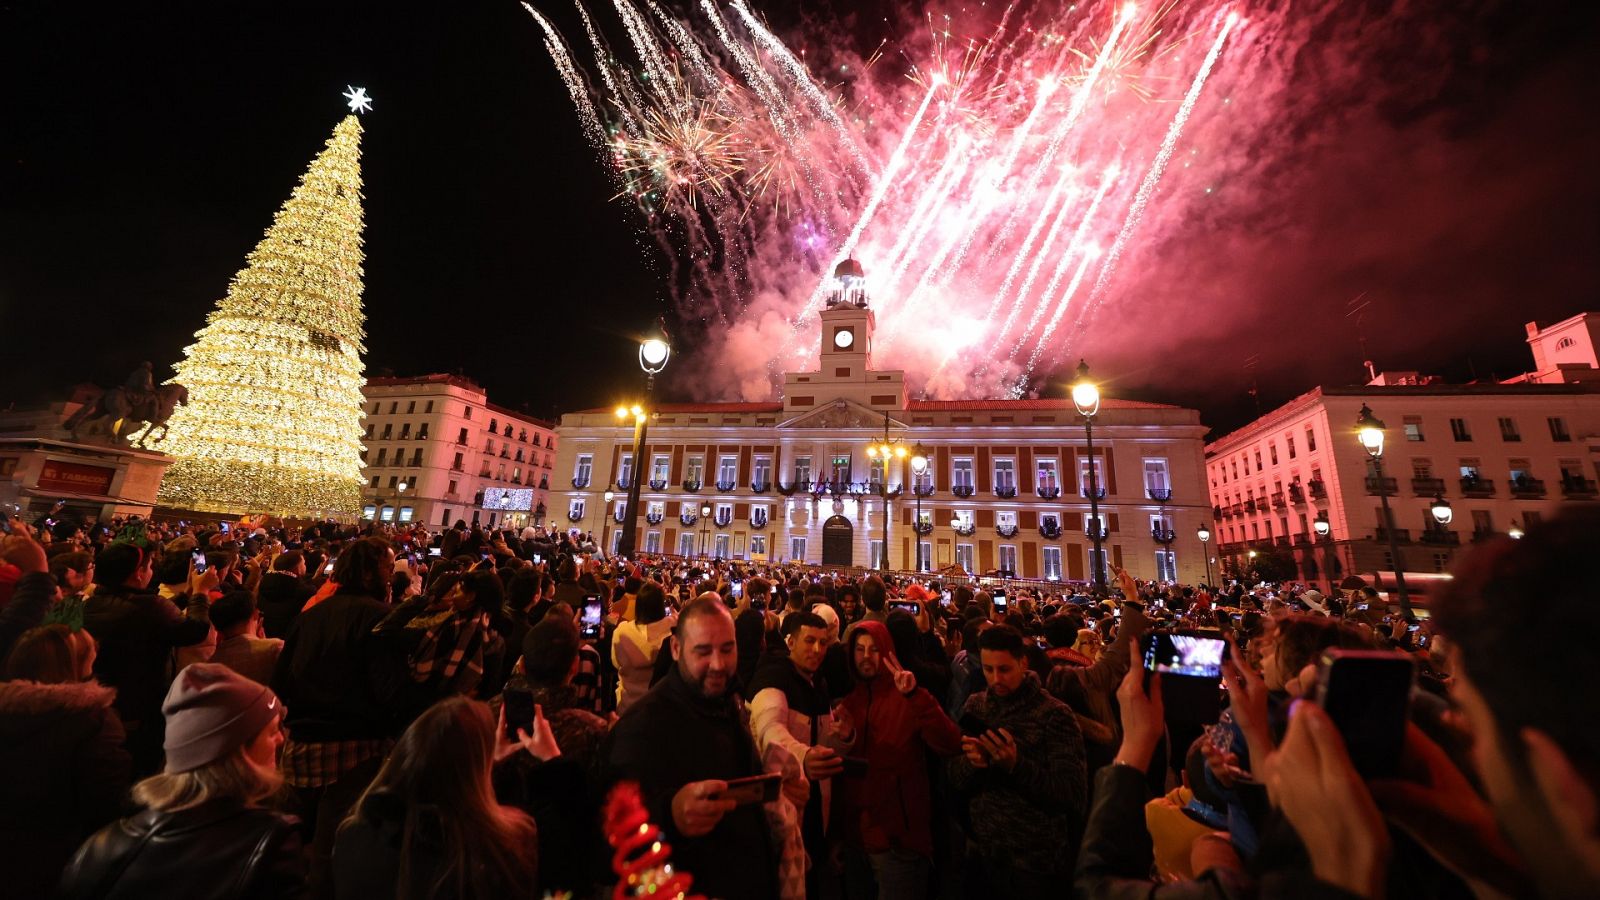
(519, 712)
(199, 557)
(1197, 656)
(433, 551)
(909, 606)
(328, 569)
(755, 789)
(589, 621)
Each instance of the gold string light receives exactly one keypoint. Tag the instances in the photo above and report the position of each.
(273, 422)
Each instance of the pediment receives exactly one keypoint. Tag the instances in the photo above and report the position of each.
(838, 414)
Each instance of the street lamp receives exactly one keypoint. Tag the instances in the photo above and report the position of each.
(604, 515)
(1515, 531)
(705, 515)
(1369, 431)
(654, 351)
(1321, 525)
(887, 449)
(1442, 513)
(1204, 534)
(919, 465)
(1086, 397)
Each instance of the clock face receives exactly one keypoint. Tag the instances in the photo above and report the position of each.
(843, 338)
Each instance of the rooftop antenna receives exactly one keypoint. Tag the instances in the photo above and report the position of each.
(1357, 309)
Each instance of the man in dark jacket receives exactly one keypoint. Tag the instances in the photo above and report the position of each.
(342, 685)
(886, 813)
(683, 742)
(137, 632)
(568, 590)
(1023, 772)
(284, 592)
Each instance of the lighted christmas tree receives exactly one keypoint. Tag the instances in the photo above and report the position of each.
(273, 423)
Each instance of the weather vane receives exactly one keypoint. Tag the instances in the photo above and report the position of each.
(359, 101)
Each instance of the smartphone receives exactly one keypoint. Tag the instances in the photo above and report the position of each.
(972, 726)
(328, 569)
(909, 606)
(738, 589)
(1367, 693)
(589, 622)
(1186, 653)
(434, 551)
(755, 789)
(519, 711)
(537, 559)
(1000, 602)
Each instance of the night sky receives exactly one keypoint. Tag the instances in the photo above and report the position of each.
(145, 147)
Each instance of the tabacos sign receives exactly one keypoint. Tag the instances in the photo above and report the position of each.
(76, 478)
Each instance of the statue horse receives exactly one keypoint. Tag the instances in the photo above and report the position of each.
(115, 405)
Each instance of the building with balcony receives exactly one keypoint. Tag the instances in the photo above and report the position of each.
(1005, 488)
(459, 456)
(1503, 454)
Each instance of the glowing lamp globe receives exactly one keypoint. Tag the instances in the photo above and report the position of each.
(919, 460)
(1442, 513)
(653, 354)
(1369, 431)
(705, 510)
(1085, 393)
(1204, 534)
(1515, 532)
(1322, 526)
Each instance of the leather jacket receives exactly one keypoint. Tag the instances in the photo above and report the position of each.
(215, 851)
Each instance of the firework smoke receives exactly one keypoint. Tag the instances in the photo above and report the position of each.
(959, 170)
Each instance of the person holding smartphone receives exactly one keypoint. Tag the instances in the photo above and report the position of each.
(683, 742)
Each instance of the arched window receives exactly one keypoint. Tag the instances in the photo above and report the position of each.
(1564, 343)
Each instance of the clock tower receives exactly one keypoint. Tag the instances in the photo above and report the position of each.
(846, 353)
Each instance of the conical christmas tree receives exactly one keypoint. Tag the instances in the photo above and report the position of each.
(273, 423)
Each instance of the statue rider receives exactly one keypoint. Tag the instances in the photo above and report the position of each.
(141, 385)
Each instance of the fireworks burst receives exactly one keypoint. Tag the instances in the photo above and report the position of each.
(983, 171)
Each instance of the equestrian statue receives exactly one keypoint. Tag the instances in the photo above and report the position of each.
(137, 402)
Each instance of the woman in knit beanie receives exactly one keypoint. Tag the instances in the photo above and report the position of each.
(207, 829)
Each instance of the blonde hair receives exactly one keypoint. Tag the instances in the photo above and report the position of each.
(234, 777)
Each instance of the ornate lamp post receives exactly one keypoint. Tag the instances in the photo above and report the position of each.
(705, 514)
(887, 449)
(1204, 534)
(1086, 397)
(1369, 431)
(919, 465)
(654, 351)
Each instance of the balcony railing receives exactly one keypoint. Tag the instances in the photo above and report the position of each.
(1005, 491)
(624, 483)
(922, 528)
(1050, 530)
(1527, 487)
(759, 522)
(1006, 531)
(1282, 540)
(1163, 535)
(1440, 537)
(687, 519)
(1249, 506)
(654, 518)
(1578, 488)
(1427, 487)
(1099, 492)
(760, 487)
(1401, 535)
(962, 490)
(1218, 512)
(1049, 492)
(1279, 501)
(1477, 486)
(1319, 491)
(800, 485)
(922, 489)
(1377, 486)
(1484, 534)
(725, 486)
(574, 516)
(1236, 510)
(1090, 528)
(1297, 494)
(723, 520)
(620, 516)
(580, 482)
(691, 486)
(1159, 495)
(965, 529)
(658, 484)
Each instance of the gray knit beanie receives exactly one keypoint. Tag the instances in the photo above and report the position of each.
(212, 711)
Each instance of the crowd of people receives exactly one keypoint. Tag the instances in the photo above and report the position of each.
(263, 709)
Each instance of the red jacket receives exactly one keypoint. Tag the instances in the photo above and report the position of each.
(890, 808)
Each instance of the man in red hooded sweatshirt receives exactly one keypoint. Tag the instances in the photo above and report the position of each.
(886, 812)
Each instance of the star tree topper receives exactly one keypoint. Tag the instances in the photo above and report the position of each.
(359, 101)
